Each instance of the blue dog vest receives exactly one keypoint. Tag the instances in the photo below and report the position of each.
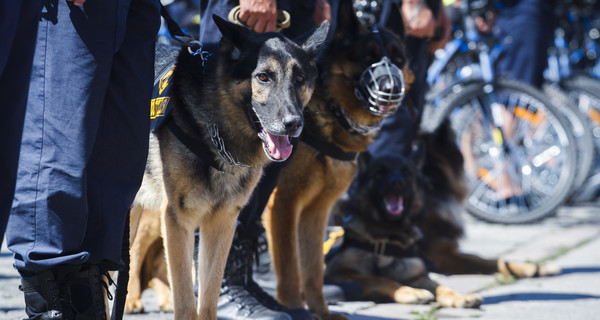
(160, 105)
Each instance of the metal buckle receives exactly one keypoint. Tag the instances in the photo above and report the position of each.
(379, 248)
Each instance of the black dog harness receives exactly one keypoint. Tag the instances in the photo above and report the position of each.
(327, 148)
(384, 247)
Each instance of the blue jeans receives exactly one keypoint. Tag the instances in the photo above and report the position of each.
(85, 138)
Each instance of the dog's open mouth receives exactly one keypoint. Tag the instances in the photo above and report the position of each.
(394, 204)
(277, 148)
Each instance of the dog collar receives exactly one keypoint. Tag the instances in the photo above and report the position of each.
(218, 143)
(344, 119)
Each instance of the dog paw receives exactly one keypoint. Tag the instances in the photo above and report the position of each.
(166, 307)
(545, 270)
(447, 298)
(410, 295)
(134, 305)
(526, 270)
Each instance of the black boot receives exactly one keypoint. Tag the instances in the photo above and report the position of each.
(241, 297)
(65, 293)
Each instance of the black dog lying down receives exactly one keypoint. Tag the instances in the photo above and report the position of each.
(405, 217)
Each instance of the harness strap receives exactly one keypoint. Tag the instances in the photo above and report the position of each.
(328, 149)
(384, 248)
(196, 146)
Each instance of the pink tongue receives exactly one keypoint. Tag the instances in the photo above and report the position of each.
(279, 147)
(394, 205)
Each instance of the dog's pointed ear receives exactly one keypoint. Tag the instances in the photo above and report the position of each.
(234, 35)
(394, 21)
(313, 41)
(347, 24)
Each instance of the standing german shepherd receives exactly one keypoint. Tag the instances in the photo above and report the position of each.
(405, 213)
(337, 128)
(232, 114)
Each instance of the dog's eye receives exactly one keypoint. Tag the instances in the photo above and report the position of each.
(262, 77)
(299, 78)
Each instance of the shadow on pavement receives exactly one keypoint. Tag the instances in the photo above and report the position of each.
(536, 296)
(579, 270)
(361, 317)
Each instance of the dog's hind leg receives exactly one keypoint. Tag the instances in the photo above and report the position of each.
(446, 257)
(216, 236)
(178, 236)
(148, 232)
(163, 294)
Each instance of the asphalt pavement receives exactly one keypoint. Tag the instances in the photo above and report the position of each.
(570, 240)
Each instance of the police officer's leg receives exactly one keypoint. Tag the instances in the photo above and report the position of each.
(525, 54)
(118, 159)
(51, 211)
(18, 30)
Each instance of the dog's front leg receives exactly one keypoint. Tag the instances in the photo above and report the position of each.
(216, 235)
(311, 233)
(178, 236)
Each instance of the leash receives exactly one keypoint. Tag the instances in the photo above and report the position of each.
(123, 277)
(283, 18)
(178, 35)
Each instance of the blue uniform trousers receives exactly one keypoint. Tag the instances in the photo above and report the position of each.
(86, 133)
(18, 28)
(526, 30)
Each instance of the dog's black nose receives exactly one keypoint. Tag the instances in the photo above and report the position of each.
(389, 85)
(292, 123)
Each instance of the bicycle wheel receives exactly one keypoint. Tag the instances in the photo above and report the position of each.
(530, 175)
(584, 91)
(581, 129)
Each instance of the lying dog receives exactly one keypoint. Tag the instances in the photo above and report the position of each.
(341, 120)
(406, 213)
(232, 113)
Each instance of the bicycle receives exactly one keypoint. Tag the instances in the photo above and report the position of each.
(519, 151)
(573, 66)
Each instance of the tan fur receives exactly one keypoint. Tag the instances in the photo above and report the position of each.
(297, 214)
(148, 267)
(308, 187)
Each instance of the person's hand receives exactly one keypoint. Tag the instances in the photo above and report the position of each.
(259, 15)
(485, 24)
(322, 12)
(418, 18)
(77, 2)
(443, 30)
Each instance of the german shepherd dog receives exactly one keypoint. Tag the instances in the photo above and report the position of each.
(232, 114)
(338, 125)
(406, 214)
